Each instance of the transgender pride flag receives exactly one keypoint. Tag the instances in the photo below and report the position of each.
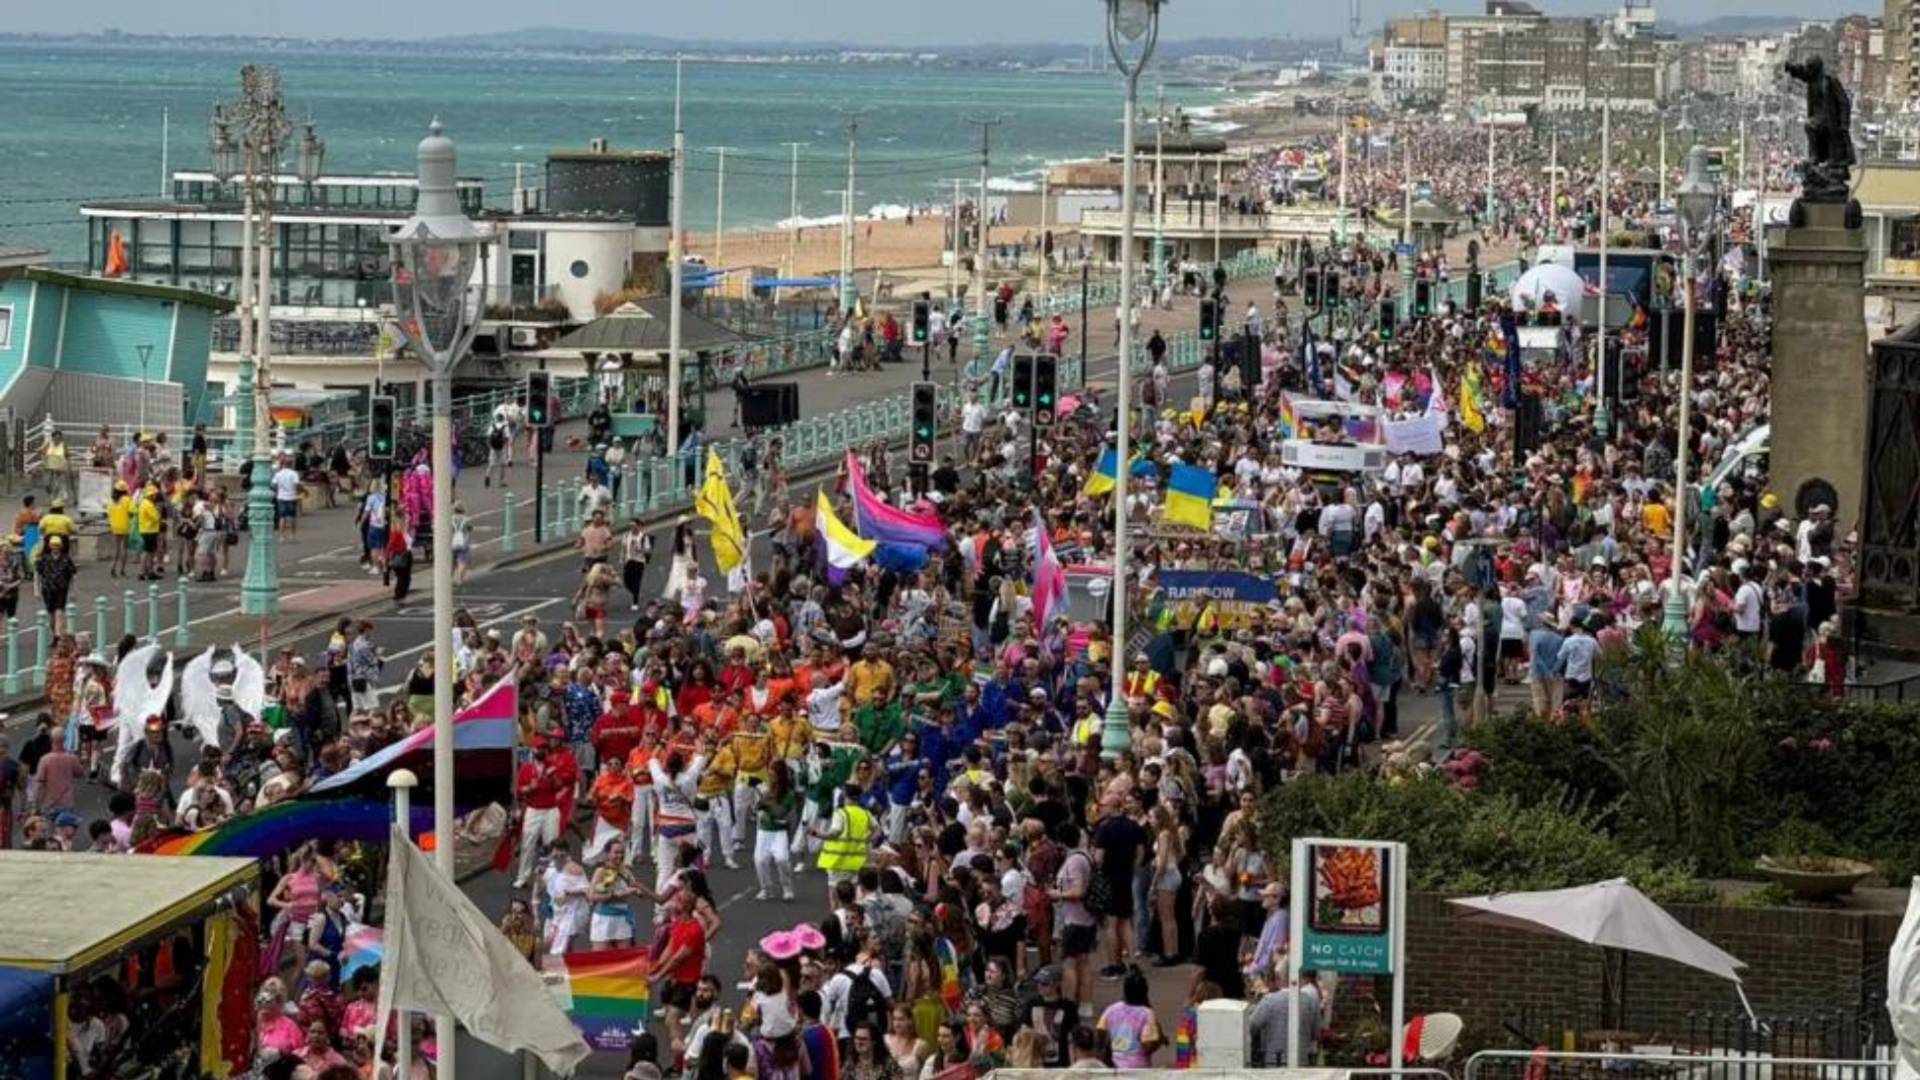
(1049, 578)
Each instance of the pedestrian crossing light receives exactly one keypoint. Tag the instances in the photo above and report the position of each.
(926, 423)
(380, 438)
(1310, 290)
(1209, 319)
(1330, 290)
(539, 393)
(1422, 299)
(1023, 382)
(1046, 374)
(922, 322)
(1389, 316)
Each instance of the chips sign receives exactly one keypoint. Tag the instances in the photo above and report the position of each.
(1354, 894)
(1349, 916)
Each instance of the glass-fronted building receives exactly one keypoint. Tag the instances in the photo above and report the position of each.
(329, 244)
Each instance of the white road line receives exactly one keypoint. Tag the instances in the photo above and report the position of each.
(509, 616)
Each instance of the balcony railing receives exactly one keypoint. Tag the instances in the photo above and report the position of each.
(306, 337)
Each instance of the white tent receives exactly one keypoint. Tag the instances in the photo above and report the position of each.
(1531, 288)
(1611, 914)
(1903, 990)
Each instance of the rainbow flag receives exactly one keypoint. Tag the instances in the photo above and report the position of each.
(609, 990)
(950, 992)
(884, 524)
(487, 724)
(284, 826)
(1289, 420)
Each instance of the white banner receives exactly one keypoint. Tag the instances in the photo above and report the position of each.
(442, 956)
(1419, 435)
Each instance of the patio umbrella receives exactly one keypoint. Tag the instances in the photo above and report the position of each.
(1611, 914)
(1903, 990)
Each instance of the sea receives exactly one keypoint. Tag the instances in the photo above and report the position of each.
(90, 122)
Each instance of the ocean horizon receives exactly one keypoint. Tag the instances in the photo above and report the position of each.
(86, 123)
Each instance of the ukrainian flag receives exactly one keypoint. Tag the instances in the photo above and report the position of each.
(1189, 497)
(1105, 475)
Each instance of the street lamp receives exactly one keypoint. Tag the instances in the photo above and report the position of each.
(435, 255)
(248, 135)
(145, 349)
(1136, 24)
(313, 156)
(1602, 411)
(1698, 199)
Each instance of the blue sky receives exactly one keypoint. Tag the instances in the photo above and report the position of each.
(920, 22)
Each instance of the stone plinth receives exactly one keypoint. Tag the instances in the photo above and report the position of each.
(1820, 369)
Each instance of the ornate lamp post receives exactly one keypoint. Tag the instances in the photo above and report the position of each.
(1130, 24)
(435, 255)
(248, 136)
(1699, 199)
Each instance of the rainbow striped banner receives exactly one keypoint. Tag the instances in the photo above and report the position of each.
(609, 990)
(284, 826)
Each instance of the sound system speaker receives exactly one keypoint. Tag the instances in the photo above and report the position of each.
(768, 405)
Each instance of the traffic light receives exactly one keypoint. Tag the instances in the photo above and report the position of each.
(926, 423)
(1389, 317)
(1209, 319)
(1422, 298)
(539, 393)
(1330, 289)
(922, 322)
(1310, 289)
(380, 439)
(1045, 396)
(1475, 290)
(1023, 382)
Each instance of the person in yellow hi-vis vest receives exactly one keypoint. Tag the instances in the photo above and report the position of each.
(846, 839)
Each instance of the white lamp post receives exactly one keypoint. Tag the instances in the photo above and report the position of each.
(435, 253)
(1129, 23)
(1698, 199)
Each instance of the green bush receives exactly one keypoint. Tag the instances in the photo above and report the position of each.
(1465, 841)
(1843, 777)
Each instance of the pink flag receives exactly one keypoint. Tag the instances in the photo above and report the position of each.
(1049, 579)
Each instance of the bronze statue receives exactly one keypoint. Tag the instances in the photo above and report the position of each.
(1829, 163)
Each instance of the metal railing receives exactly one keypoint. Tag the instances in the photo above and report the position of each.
(306, 337)
(1717, 1063)
(152, 612)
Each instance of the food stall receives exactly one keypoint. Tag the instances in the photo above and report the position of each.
(165, 943)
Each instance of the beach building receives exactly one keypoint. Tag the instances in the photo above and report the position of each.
(104, 350)
(594, 221)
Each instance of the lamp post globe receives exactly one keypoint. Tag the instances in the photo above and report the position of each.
(1131, 25)
(1697, 199)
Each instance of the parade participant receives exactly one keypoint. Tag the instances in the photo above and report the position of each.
(674, 790)
(846, 838)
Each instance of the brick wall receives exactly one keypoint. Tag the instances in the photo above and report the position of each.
(1800, 961)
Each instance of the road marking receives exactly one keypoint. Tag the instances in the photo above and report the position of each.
(430, 642)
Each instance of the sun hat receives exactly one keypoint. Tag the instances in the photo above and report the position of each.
(781, 945)
(809, 936)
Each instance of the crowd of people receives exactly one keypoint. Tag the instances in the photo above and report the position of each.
(915, 755)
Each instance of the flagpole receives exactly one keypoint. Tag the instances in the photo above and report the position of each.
(401, 783)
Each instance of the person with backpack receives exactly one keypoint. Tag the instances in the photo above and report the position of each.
(1083, 895)
(858, 995)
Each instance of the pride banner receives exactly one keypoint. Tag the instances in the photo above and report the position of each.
(609, 991)
(282, 827)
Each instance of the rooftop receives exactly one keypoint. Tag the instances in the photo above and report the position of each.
(103, 902)
(125, 288)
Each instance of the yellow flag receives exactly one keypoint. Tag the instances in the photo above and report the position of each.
(1470, 399)
(715, 503)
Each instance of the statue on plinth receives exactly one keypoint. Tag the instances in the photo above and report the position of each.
(1830, 159)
